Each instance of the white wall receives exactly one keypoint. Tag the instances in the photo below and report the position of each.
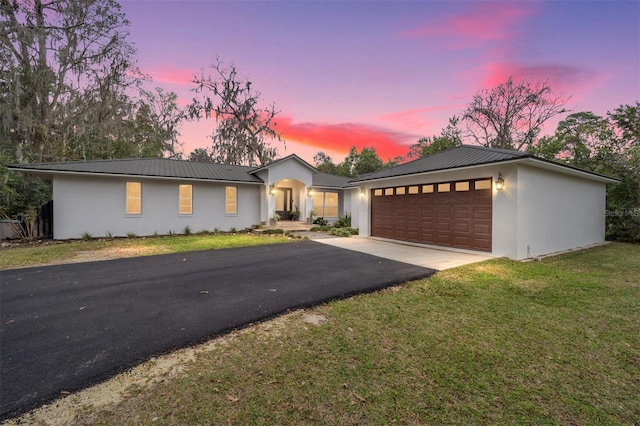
(558, 212)
(96, 205)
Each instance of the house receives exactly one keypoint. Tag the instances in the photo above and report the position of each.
(501, 202)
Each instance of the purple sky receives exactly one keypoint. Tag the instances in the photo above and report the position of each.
(384, 74)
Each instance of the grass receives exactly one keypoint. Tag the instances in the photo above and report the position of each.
(69, 251)
(500, 342)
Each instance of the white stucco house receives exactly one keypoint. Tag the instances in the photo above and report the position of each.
(500, 202)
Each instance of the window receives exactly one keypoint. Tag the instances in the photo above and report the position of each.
(483, 184)
(388, 191)
(185, 205)
(427, 189)
(377, 193)
(400, 190)
(444, 187)
(231, 201)
(462, 186)
(326, 203)
(134, 198)
(413, 189)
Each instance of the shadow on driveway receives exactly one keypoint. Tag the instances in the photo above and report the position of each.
(66, 327)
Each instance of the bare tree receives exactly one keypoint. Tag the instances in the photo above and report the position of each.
(244, 128)
(511, 115)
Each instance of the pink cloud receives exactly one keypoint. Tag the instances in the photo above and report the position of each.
(340, 137)
(485, 22)
(171, 75)
(561, 77)
(417, 119)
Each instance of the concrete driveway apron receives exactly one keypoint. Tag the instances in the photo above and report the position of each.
(438, 259)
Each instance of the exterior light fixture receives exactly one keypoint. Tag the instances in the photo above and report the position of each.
(310, 192)
(361, 192)
(272, 189)
(500, 182)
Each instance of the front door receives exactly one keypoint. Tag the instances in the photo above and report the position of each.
(284, 202)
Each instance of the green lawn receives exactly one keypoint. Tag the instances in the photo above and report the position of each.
(65, 252)
(500, 342)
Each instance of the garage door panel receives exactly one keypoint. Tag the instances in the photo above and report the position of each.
(452, 214)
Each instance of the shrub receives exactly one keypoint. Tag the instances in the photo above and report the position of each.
(131, 235)
(232, 229)
(187, 230)
(343, 222)
(320, 228)
(86, 236)
(344, 232)
(320, 221)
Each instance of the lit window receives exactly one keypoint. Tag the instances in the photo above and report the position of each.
(331, 204)
(231, 200)
(326, 203)
(427, 189)
(388, 191)
(134, 198)
(377, 192)
(444, 187)
(185, 205)
(400, 190)
(462, 186)
(483, 184)
(414, 189)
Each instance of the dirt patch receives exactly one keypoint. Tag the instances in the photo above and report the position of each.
(111, 253)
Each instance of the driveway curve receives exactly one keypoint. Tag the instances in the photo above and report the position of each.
(66, 327)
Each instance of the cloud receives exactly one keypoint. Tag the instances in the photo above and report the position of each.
(170, 75)
(340, 137)
(485, 22)
(560, 77)
(417, 119)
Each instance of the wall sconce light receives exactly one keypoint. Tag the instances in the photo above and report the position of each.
(310, 192)
(499, 182)
(361, 191)
(272, 189)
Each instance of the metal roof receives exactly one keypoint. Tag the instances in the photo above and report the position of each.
(471, 155)
(462, 156)
(281, 160)
(330, 181)
(153, 167)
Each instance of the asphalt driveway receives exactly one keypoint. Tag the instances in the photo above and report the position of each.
(63, 328)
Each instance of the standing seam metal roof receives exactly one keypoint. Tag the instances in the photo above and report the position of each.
(154, 167)
(462, 156)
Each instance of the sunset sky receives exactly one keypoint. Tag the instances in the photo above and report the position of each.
(383, 74)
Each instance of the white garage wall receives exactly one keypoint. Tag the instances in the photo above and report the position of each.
(96, 205)
(558, 212)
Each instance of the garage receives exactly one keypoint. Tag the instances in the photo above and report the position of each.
(452, 214)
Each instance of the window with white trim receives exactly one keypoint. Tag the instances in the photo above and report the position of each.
(326, 203)
(231, 201)
(185, 202)
(134, 198)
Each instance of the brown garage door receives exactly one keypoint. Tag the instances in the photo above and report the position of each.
(453, 214)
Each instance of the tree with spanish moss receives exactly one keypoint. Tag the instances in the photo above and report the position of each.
(245, 129)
